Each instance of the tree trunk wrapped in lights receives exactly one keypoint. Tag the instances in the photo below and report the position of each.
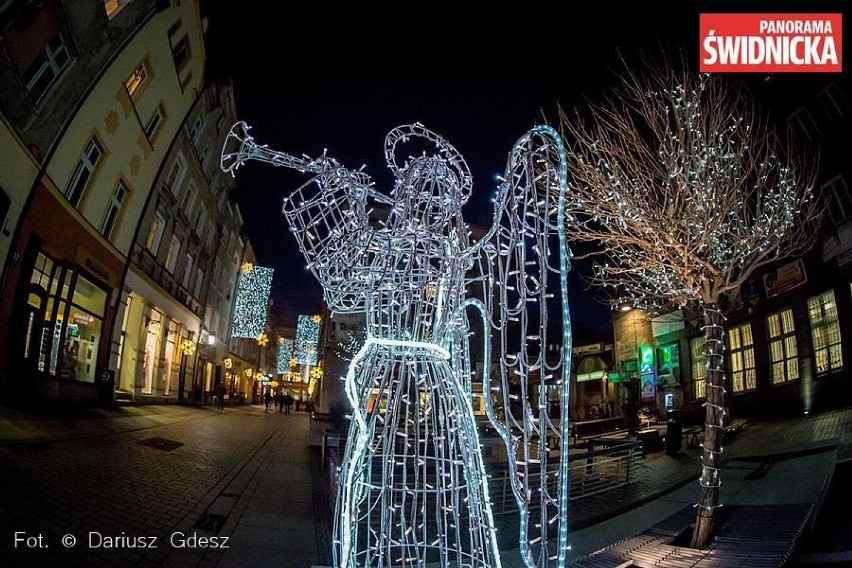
(683, 192)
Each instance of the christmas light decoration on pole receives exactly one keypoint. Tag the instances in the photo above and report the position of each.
(284, 355)
(683, 193)
(307, 339)
(252, 300)
(413, 488)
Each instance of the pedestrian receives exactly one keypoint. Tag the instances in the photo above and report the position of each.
(220, 396)
(280, 402)
(267, 398)
(288, 401)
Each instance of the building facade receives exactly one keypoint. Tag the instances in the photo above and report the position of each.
(95, 92)
(179, 288)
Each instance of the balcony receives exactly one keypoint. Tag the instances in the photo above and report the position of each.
(148, 265)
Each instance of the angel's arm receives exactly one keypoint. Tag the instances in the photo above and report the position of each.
(327, 216)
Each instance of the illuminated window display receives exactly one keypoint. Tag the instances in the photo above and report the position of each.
(73, 312)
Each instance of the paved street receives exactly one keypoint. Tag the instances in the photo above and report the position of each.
(244, 479)
(122, 480)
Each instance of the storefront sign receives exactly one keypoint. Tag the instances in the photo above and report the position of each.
(85, 260)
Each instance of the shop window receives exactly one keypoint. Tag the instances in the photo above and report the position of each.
(155, 234)
(83, 172)
(825, 332)
(783, 353)
(73, 321)
(171, 257)
(114, 210)
(699, 367)
(741, 358)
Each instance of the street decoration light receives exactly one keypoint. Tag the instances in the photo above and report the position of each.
(413, 487)
(187, 346)
(252, 301)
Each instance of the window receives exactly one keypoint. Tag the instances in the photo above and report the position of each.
(46, 68)
(199, 280)
(181, 52)
(5, 203)
(83, 172)
(699, 367)
(783, 353)
(152, 243)
(741, 358)
(176, 175)
(171, 257)
(154, 122)
(137, 78)
(839, 201)
(187, 270)
(202, 159)
(67, 344)
(825, 330)
(188, 203)
(112, 7)
(113, 210)
(201, 222)
(195, 131)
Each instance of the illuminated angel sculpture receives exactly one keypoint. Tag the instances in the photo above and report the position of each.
(413, 488)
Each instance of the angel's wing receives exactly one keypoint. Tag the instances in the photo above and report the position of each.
(524, 261)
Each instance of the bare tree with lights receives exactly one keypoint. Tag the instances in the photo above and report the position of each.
(684, 192)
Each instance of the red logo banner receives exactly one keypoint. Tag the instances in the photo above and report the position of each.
(771, 43)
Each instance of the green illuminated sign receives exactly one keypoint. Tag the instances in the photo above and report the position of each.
(646, 359)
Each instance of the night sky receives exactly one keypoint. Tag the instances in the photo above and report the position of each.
(325, 78)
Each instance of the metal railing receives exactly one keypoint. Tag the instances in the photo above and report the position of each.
(591, 473)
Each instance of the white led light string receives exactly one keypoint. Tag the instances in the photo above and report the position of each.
(413, 486)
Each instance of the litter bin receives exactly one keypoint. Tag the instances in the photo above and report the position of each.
(674, 436)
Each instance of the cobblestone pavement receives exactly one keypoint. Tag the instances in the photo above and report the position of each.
(110, 477)
(170, 475)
